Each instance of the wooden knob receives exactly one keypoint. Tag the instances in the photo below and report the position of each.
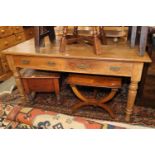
(2, 31)
(19, 37)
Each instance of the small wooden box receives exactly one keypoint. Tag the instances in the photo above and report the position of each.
(40, 81)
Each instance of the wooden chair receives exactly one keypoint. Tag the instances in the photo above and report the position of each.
(96, 39)
(93, 81)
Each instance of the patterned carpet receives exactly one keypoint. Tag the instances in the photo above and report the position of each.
(141, 115)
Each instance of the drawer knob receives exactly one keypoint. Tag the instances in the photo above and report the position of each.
(25, 62)
(50, 63)
(115, 68)
(2, 31)
(82, 66)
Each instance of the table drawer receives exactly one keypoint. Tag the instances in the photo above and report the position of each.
(20, 37)
(74, 65)
(7, 42)
(5, 31)
(99, 67)
(39, 62)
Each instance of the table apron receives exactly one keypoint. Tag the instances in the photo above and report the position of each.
(100, 67)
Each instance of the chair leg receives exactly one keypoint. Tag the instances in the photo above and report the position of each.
(108, 97)
(51, 33)
(63, 40)
(78, 106)
(102, 35)
(75, 32)
(93, 102)
(42, 40)
(105, 107)
(78, 94)
(38, 39)
(97, 43)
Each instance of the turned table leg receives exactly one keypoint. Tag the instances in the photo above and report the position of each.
(135, 79)
(131, 99)
(19, 84)
(17, 77)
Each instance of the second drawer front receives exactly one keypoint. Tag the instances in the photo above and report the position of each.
(99, 67)
(20, 37)
(74, 65)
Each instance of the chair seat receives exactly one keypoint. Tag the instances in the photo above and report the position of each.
(94, 81)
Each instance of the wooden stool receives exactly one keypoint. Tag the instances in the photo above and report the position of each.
(94, 81)
(41, 81)
(96, 39)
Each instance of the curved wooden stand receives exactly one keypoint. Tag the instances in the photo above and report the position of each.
(93, 101)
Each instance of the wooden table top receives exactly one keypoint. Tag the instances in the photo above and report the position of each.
(111, 52)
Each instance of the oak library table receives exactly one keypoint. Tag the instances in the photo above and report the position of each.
(115, 60)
